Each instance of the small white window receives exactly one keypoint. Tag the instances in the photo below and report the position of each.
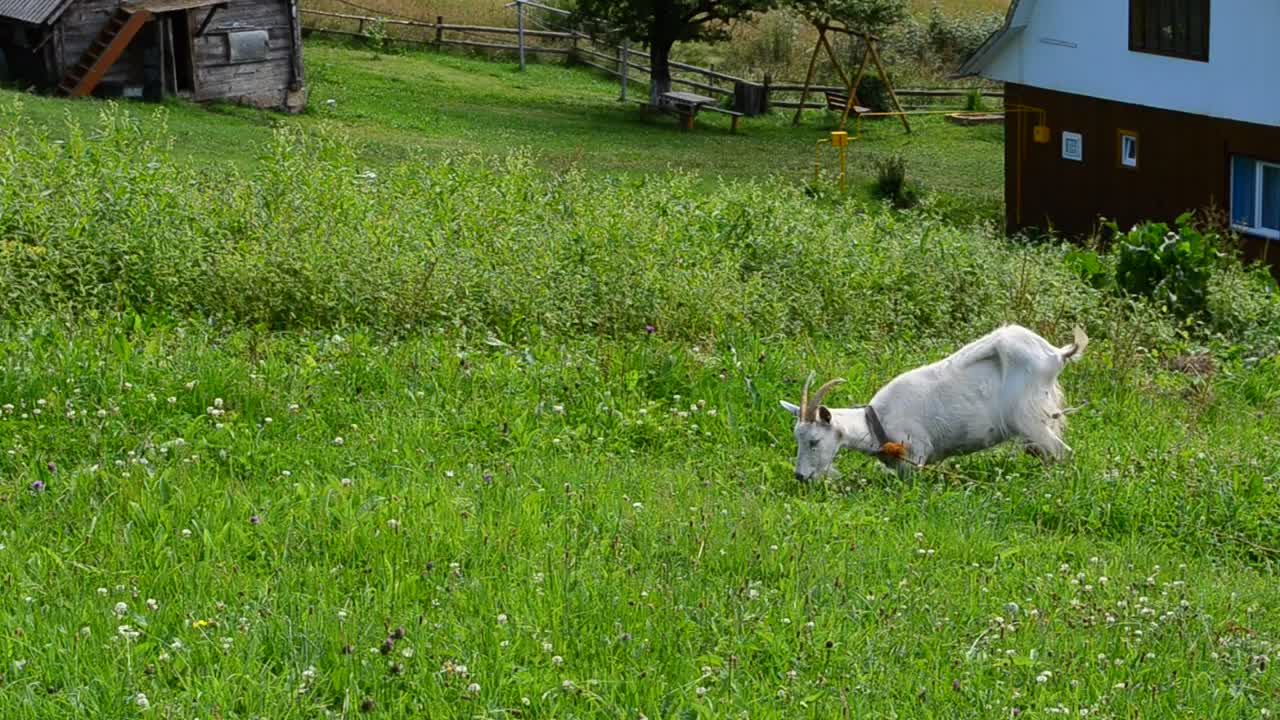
(1128, 149)
(1072, 146)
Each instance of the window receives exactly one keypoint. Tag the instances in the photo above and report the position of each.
(1072, 146)
(1128, 148)
(247, 46)
(1178, 28)
(1255, 196)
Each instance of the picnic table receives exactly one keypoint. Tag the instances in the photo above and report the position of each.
(687, 105)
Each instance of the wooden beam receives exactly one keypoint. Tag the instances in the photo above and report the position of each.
(207, 19)
(875, 55)
(808, 77)
(857, 80)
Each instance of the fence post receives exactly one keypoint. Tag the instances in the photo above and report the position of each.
(520, 29)
(768, 80)
(439, 29)
(360, 31)
(625, 66)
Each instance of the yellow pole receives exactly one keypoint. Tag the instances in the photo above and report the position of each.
(817, 159)
(842, 151)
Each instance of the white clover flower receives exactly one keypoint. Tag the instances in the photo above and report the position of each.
(141, 701)
(502, 618)
(120, 609)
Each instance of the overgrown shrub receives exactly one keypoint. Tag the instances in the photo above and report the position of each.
(375, 33)
(892, 184)
(1172, 267)
(954, 38)
(107, 221)
(973, 101)
(874, 94)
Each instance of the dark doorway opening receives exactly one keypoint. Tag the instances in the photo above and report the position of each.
(184, 69)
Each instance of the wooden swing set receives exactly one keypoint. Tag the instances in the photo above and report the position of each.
(870, 52)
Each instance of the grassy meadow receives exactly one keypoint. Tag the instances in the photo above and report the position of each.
(425, 405)
(409, 105)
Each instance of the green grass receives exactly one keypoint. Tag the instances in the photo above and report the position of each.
(255, 421)
(401, 106)
(289, 500)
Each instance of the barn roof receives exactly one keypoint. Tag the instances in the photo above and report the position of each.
(36, 12)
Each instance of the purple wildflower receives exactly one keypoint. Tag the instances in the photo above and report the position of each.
(650, 329)
(52, 466)
(255, 520)
(37, 486)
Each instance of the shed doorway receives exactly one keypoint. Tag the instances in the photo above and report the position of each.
(182, 43)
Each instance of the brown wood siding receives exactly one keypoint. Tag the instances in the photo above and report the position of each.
(1183, 164)
(263, 83)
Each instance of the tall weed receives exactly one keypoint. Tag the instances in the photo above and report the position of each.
(107, 221)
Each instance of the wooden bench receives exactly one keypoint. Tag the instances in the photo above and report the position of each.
(837, 102)
(686, 111)
(733, 114)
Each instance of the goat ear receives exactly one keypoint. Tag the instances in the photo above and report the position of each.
(793, 409)
(824, 414)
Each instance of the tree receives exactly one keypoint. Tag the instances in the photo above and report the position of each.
(661, 23)
(871, 16)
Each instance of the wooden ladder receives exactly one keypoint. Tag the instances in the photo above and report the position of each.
(105, 50)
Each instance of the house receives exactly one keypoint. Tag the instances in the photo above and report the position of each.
(1137, 110)
(245, 51)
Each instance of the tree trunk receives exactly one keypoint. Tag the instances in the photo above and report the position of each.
(659, 67)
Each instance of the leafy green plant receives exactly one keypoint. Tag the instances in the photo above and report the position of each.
(892, 183)
(1172, 267)
(1093, 268)
(973, 101)
(375, 33)
(874, 94)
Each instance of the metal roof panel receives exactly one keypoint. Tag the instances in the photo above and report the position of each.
(36, 12)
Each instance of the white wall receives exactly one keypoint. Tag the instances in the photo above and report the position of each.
(1082, 47)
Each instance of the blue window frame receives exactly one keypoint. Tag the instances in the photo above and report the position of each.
(1255, 196)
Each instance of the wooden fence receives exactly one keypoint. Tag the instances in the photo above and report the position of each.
(615, 60)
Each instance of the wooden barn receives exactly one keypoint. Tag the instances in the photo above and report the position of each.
(244, 51)
(1153, 108)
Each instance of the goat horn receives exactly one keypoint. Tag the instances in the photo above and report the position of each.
(822, 391)
(804, 397)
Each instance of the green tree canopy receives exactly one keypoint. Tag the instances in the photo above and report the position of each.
(661, 23)
(873, 16)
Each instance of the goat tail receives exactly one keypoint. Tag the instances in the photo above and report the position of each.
(1073, 351)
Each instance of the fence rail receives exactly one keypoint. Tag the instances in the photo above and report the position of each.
(590, 51)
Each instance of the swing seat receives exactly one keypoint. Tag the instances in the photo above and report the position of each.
(836, 102)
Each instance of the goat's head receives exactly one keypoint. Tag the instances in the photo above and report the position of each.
(817, 439)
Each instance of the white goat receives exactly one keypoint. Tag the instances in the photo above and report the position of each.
(1001, 386)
